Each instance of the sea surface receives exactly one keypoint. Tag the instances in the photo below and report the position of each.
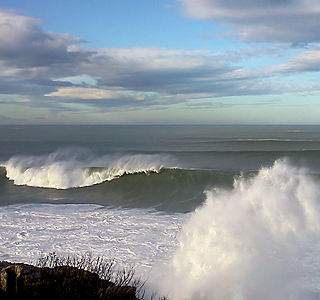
(203, 212)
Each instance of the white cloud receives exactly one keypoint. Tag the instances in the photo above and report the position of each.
(293, 21)
(23, 43)
(37, 63)
(86, 93)
(79, 79)
(307, 61)
(82, 93)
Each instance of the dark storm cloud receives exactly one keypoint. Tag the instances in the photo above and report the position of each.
(290, 21)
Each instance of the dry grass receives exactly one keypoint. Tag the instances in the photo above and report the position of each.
(105, 268)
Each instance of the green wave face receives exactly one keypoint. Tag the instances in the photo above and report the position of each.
(175, 190)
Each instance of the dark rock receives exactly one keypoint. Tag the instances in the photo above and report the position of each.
(21, 281)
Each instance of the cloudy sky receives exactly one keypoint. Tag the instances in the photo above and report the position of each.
(160, 62)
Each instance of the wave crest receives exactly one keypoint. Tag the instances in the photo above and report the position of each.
(70, 168)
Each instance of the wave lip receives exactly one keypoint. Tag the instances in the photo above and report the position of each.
(67, 168)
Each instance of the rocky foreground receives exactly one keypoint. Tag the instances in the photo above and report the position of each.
(22, 281)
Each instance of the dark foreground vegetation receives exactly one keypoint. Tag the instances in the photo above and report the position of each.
(58, 278)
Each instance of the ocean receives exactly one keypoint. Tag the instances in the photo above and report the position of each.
(202, 212)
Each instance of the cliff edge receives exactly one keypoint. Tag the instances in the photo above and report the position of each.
(22, 281)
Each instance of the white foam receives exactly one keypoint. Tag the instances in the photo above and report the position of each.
(69, 168)
(259, 241)
(132, 237)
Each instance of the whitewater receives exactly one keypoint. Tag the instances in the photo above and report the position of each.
(241, 223)
(259, 240)
(70, 168)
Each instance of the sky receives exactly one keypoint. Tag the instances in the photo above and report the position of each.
(159, 62)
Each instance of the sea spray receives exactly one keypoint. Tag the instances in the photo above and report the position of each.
(257, 241)
(69, 168)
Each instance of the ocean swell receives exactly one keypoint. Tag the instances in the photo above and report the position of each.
(70, 168)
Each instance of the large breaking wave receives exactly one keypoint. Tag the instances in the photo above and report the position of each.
(259, 240)
(70, 168)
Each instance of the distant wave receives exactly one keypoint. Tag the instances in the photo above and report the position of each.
(172, 189)
(273, 140)
(73, 168)
(243, 140)
(70, 168)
